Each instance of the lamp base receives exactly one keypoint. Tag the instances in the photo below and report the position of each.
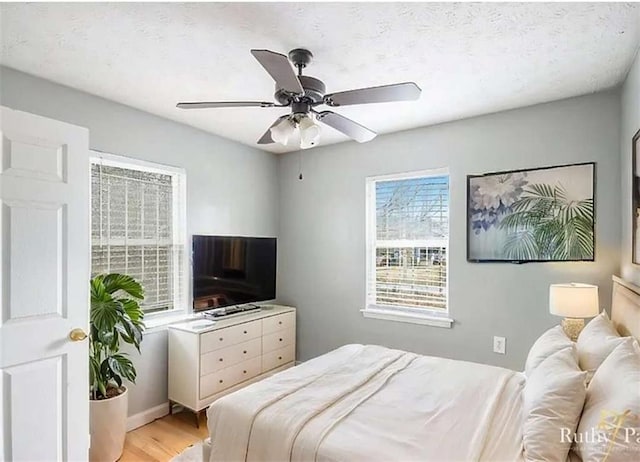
(572, 327)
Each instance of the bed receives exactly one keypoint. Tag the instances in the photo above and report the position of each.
(370, 403)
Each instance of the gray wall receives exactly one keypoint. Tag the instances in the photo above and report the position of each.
(630, 124)
(231, 188)
(322, 229)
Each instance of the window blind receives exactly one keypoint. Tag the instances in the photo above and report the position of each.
(411, 226)
(135, 230)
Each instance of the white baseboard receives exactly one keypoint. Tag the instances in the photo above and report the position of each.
(148, 416)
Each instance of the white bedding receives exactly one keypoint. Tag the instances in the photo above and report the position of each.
(369, 403)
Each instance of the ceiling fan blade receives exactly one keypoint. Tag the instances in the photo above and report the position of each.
(217, 104)
(407, 91)
(280, 69)
(266, 138)
(347, 126)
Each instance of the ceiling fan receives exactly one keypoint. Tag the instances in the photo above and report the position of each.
(303, 93)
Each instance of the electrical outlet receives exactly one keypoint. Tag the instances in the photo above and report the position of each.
(500, 345)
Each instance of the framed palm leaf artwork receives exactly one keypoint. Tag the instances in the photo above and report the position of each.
(534, 215)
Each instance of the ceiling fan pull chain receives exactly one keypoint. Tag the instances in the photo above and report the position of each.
(300, 165)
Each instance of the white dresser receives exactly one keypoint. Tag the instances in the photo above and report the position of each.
(205, 364)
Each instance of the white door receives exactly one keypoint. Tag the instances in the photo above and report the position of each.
(44, 249)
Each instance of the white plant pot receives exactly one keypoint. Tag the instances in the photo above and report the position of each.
(108, 428)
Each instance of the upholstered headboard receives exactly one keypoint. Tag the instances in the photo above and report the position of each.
(625, 307)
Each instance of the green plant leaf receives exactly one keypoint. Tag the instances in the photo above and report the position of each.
(105, 337)
(133, 332)
(102, 386)
(122, 366)
(115, 315)
(114, 283)
(97, 288)
(105, 313)
(94, 372)
(105, 371)
(124, 334)
(133, 310)
(116, 377)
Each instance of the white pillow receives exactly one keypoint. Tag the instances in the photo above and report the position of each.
(596, 341)
(547, 344)
(613, 401)
(553, 399)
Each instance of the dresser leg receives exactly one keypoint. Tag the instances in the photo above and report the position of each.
(197, 414)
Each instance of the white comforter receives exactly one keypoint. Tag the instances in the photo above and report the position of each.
(369, 403)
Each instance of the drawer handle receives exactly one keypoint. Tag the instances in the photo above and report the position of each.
(280, 340)
(245, 331)
(220, 380)
(244, 372)
(221, 339)
(244, 352)
(280, 358)
(280, 322)
(220, 359)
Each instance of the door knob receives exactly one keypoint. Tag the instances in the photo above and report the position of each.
(77, 335)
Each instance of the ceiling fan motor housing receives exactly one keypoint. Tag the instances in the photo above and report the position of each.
(300, 108)
(314, 91)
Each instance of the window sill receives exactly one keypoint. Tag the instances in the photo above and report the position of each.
(413, 318)
(157, 322)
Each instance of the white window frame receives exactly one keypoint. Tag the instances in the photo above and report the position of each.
(425, 316)
(181, 306)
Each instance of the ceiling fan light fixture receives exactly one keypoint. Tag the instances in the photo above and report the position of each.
(282, 131)
(302, 93)
(309, 133)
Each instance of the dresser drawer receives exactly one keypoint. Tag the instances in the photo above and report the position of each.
(225, 378)
(228, 336)
(277, 340)
(229, 356)
(278, 358)
(279, 322)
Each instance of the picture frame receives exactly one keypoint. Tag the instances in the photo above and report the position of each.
(533, 215)
(635, 199)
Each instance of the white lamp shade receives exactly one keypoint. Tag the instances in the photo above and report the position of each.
(574, 300)
(281, 132)
(309, 133)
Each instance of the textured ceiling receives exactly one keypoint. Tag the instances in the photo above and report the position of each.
(469, 59)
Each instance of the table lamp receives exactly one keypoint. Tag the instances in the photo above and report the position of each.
(575, 302)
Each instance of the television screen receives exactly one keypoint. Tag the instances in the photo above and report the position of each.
(233, 270)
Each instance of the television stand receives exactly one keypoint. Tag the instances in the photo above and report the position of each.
(208, 363)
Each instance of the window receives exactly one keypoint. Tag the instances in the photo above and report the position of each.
(407, 243)
(138, 227)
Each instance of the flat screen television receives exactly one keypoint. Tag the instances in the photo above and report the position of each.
(233, 270)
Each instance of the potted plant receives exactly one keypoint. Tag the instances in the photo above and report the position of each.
(115, 317)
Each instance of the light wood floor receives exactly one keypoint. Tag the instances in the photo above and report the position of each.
(163, 439)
